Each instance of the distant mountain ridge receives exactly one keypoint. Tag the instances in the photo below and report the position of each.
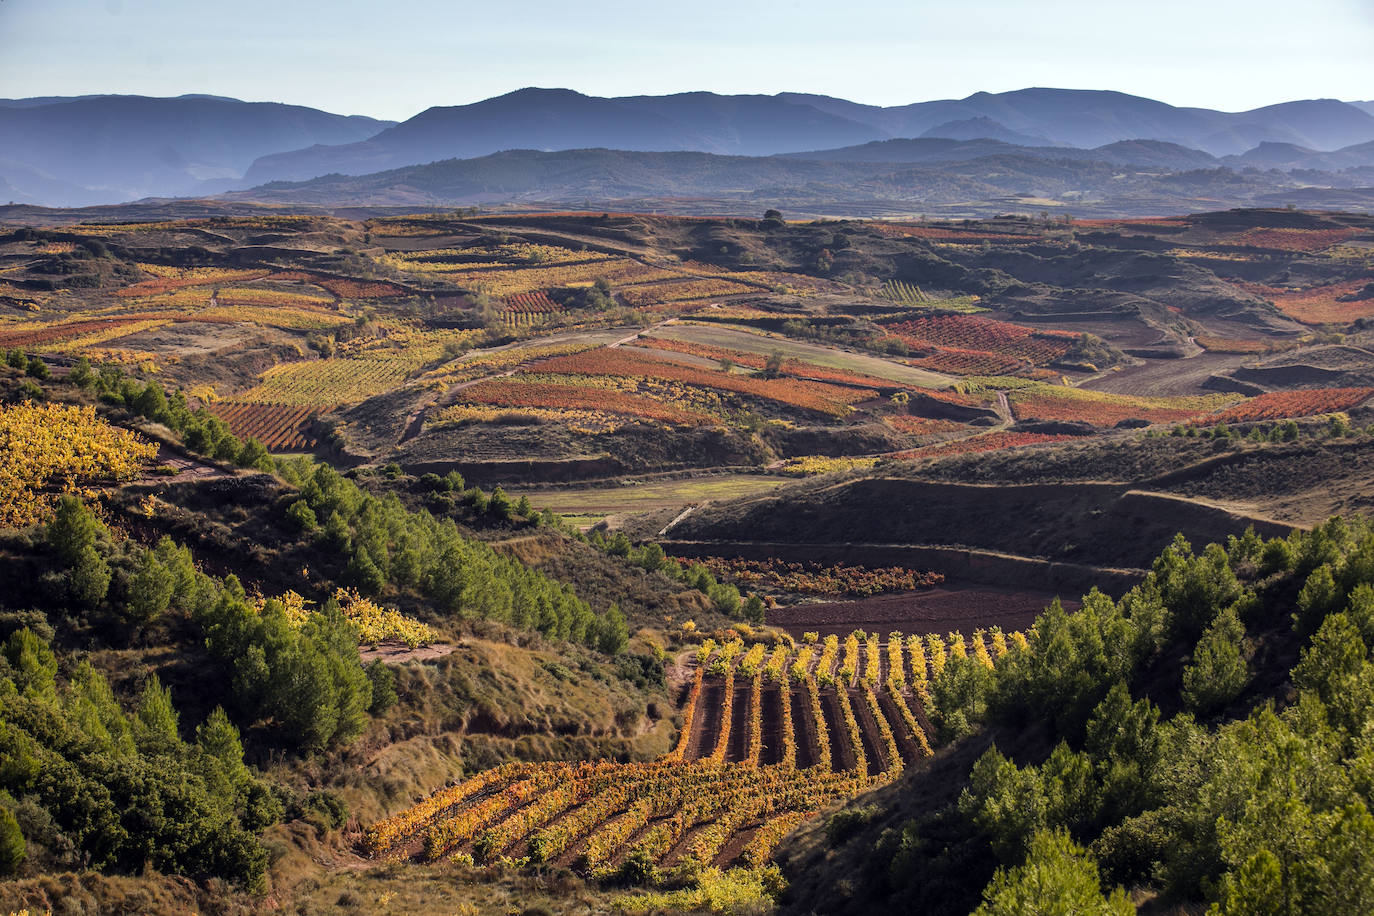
(933, 176)
(558, 119)
(110, 148)
(102, 149)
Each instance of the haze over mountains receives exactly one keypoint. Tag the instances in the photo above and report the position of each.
(1031, 142)
(113, 148)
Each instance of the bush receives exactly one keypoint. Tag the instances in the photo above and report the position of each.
(845, 824)
(12, 846)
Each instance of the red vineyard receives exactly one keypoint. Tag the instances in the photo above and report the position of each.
(1282, 405)
(279, 427)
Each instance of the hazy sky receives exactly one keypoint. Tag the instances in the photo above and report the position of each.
(393, 58)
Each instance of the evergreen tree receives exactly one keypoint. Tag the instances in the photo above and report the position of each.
(1058, 878)
(1218, 672)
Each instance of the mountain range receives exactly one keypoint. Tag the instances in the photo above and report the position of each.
(112, 148)
(105, 149)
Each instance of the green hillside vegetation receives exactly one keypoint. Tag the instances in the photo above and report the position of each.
(1204, 739)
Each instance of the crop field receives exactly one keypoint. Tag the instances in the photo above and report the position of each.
(812, 578)
(771, 736)
(1282, 405)
(818, 397)
(167, 279)
(942, 234)
(552, 396)
(974, 345)
(526, 309)
(746, 359)
(341, 287)
(812, 354)
(477, 364)
(326, 383)
(1241, 345)
(49, 449)
(507, 279)
(811, 465)
(280, 427)
(684, 290)
(1336, 303)
(947, 607)
(909, 425)
(1051, 402)
(987, 442)
(651, 495)
(1305, 240)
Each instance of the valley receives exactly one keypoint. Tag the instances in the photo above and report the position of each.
(624, 550)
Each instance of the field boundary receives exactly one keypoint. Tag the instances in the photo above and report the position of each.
(966, 564)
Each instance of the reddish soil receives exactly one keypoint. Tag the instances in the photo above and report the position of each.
(905, 743)
(706, 723)
(187, 468)
(874, 749)
(395, 653)
(804, 728)
(738, 745)
(772, 725)
(841, 754)
(735, 845)
(936, 610)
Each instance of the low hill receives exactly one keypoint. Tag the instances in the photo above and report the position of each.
(961, 178)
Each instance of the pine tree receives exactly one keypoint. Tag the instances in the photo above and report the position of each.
(1218, 672)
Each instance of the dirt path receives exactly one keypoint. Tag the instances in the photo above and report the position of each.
(1004, 408)
(397, 653)
(677, 518)
(738, 746)
(187, 468)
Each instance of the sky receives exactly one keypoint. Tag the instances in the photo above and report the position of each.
(395, 58)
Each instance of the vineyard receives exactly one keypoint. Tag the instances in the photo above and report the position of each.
(770, 737)
(1336, 303)
(50, 449)
(1097, 408)
(794, 367)
(524, 310)
(325, 383)
(553, 396)
(1281, 405)
(988, 442)
(682, 290)
(817, 578)
(280, 427)
(819, 397)
(974, 345)
(1305, 240)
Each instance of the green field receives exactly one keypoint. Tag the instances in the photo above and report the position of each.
(590, 504)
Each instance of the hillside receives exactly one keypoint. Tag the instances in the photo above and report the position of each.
(463, 561)
(884, 178)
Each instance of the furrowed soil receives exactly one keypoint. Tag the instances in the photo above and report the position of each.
(937, 610)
